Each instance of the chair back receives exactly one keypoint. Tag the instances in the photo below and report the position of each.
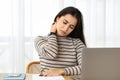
(33, 67)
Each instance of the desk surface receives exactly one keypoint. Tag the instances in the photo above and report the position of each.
(29, 77)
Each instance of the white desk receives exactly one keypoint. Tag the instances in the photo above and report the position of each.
(29, 76)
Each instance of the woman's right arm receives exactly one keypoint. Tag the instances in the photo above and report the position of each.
(47, 48)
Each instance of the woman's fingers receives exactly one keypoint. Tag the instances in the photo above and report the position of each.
(53, 28)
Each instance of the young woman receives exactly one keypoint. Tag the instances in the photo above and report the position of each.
(61, 51)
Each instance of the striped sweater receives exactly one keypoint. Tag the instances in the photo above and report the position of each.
(60, 52)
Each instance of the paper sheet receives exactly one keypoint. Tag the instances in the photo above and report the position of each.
(37, 77)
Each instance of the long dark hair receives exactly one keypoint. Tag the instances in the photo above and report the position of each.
(78, 31)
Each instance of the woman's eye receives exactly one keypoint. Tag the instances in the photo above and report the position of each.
(71, 27)
(64, 22)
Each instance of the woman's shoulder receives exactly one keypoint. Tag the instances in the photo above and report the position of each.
(37, 37)
(40, 37)
(77, 41)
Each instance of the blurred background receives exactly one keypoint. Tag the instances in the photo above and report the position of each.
(22, 20)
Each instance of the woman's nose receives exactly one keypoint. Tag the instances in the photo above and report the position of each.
(66, 28)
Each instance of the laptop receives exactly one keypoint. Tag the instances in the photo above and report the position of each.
(100, 64)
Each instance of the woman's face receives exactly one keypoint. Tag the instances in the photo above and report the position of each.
(65, 24)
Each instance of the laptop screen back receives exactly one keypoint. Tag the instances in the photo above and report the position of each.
(101, 64)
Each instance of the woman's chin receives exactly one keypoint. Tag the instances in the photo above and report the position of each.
(61, 35)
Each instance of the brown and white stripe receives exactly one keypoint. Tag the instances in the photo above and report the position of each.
(60, 52)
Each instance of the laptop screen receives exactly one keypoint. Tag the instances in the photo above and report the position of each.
(100, 64)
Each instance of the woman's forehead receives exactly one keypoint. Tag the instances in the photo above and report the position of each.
(69, 18)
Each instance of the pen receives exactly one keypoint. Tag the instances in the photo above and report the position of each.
(40, 75)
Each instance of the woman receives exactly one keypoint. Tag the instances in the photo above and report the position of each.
(60, 51)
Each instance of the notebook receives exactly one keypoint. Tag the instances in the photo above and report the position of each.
(100, 64)
(38, 77)
(14, 76)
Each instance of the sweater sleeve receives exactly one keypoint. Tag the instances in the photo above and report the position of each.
(76, 70)
(46, 47)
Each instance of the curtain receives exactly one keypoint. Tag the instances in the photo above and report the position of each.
(101, 21)
(23, 20)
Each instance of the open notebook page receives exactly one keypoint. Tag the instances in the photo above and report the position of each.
(37, 77)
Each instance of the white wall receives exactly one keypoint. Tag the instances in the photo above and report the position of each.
(22, 20)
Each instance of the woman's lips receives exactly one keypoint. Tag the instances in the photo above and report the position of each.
(63, 32)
